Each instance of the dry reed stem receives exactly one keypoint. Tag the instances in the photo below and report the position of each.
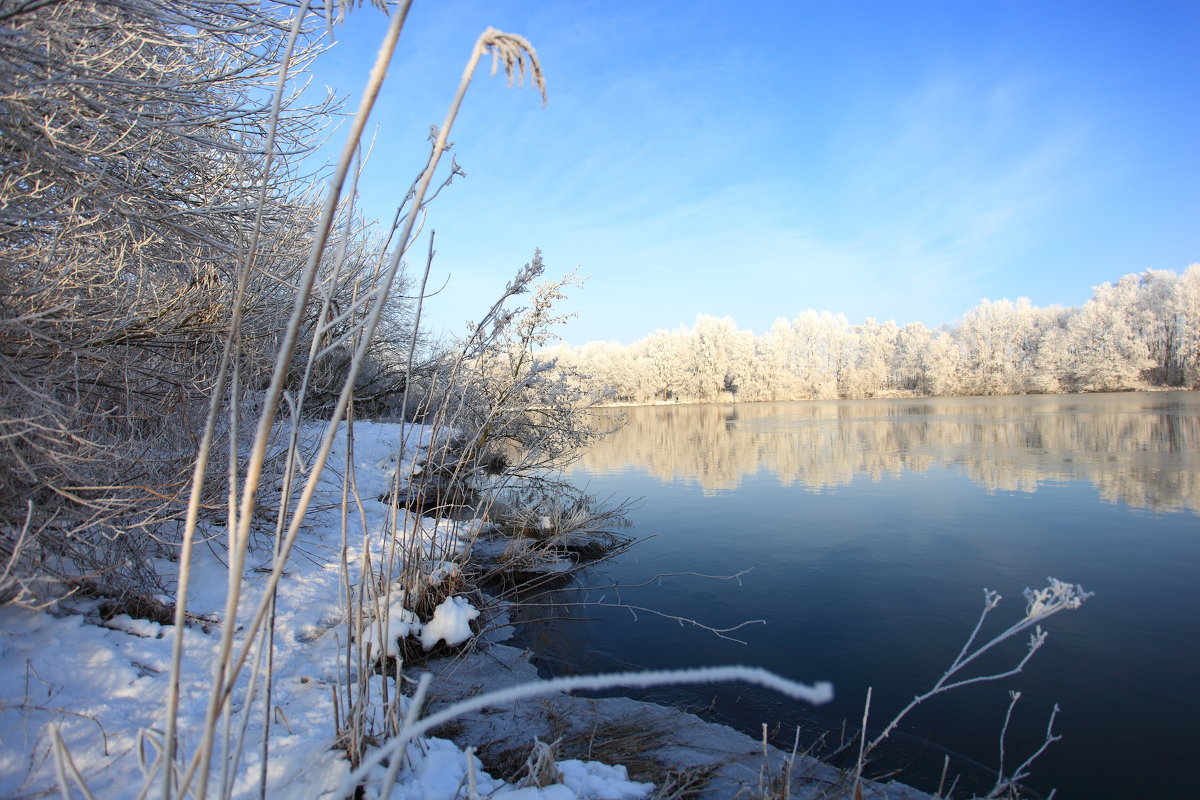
(226, 671)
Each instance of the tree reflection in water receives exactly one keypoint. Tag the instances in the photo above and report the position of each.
(1139, 449)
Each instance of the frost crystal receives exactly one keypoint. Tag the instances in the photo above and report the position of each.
(1055, 597)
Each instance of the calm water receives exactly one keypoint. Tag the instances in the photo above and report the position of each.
(870, 529)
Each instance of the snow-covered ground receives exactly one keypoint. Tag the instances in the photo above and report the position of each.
(100, 685)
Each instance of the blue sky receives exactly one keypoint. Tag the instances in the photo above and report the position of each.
(897, 160)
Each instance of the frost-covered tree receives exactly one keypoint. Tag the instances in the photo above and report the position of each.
(944, 367)
(711, 348)
(775, 358)
(1049, 368)
(1186, 308)
(745, 369)
(992, 337)
(514, 406)
(908, 366)
(1104, 349)
(871, 374)
(666, 363)
(1153, 317)
(821, 353)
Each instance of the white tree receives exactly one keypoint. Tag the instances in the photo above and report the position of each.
(821, 353)
(1105, 351)
(995, 339)
(665, 360)
(1142, 328)
(874, 353)
(744, 366)
(1153, 317)
(774, 357)
(1187, 327)
(944, 369)
(908, 368)
(711, 363)
(1049, 370)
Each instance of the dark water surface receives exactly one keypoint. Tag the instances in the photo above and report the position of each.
(871, 528)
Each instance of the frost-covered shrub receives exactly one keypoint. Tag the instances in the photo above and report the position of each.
(139, 166)
(506, 392)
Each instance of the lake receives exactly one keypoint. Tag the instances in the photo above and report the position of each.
(867, 532)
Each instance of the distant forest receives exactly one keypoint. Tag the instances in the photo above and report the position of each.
(1140, 332)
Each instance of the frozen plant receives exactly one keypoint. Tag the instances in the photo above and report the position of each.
(1058, 595)
(1040, 604)
(1004, 784)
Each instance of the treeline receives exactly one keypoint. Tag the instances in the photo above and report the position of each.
(1142, 331)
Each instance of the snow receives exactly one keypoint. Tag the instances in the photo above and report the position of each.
(400, 623)
(592, 779)
(101, 684)
(451, 622)
(138, 627)
(437, 770)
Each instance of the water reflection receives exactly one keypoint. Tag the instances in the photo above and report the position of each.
(1139, 449)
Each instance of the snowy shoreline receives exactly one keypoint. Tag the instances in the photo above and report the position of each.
(99, 685)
